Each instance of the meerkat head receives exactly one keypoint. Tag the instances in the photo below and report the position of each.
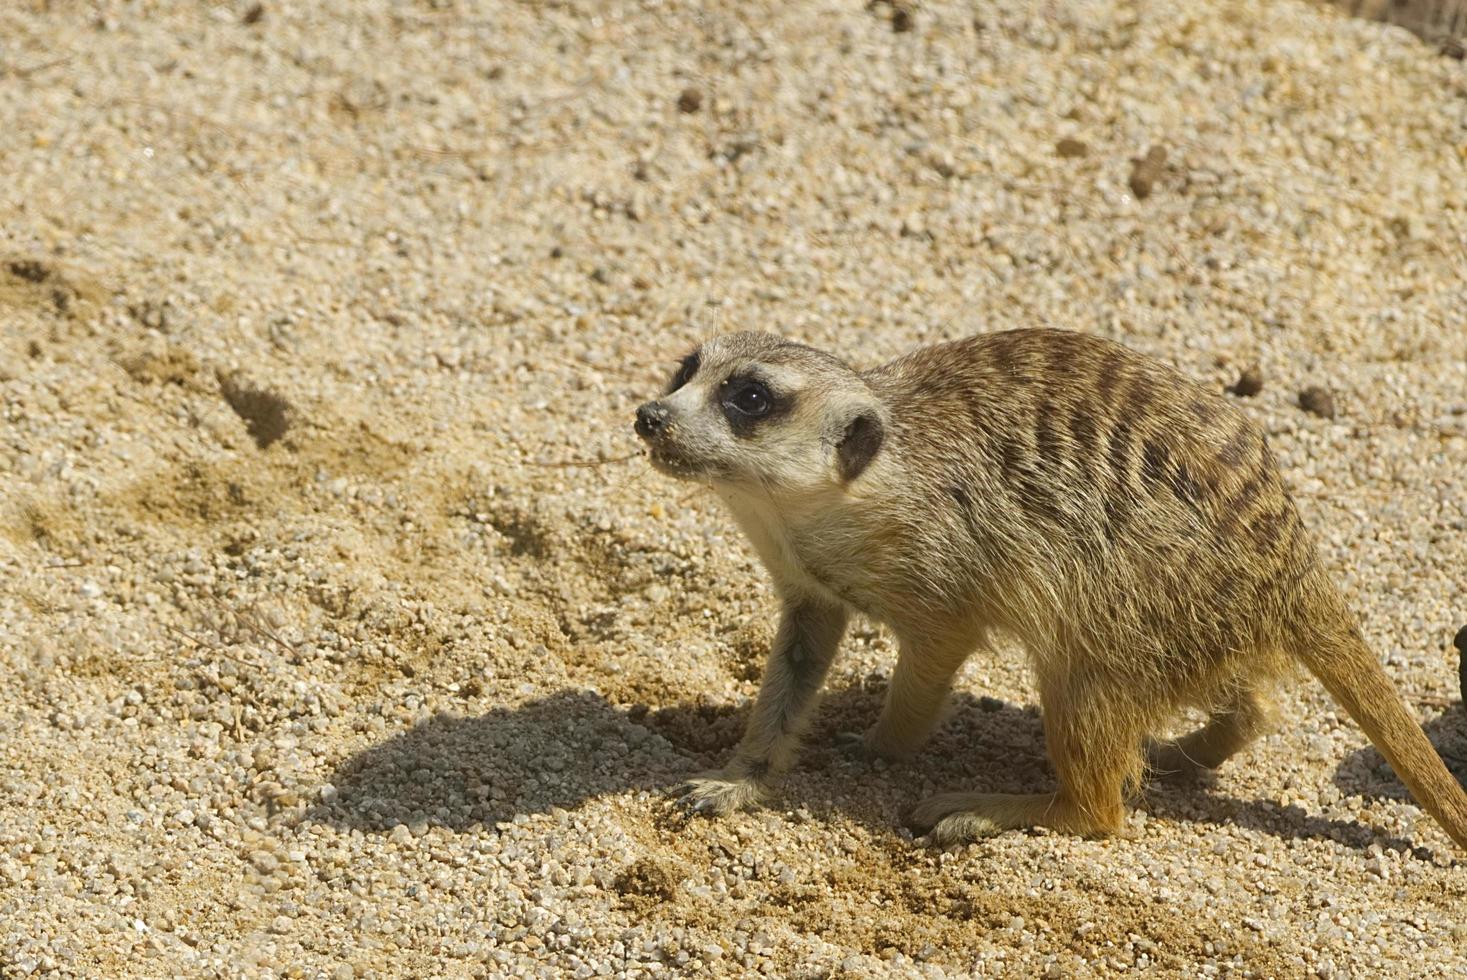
(753, 409)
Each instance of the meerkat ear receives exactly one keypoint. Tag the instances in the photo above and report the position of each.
(859, 445)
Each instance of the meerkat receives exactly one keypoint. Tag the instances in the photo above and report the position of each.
(1127, 525)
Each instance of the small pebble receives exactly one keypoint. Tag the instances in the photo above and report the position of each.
(1071, 149)
(690, 100)
(1249, 383)
(1317, 401)
(1146, 171)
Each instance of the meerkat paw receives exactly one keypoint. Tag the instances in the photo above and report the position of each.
(1170, 762)
(718, 794)
(962, 828)
(869, 745)
(854, 744)
(953, 818)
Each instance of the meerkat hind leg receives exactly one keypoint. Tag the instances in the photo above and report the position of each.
(1096, 752)
(1245, 717)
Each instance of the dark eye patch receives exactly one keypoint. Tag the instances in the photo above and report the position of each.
(750, 398)
(685, 372)
(748, 401)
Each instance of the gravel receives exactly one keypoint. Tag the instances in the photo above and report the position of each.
(345, 634)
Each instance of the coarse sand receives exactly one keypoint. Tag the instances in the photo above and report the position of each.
(345, 634)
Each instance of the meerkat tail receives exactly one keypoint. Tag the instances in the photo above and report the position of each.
(1353, 676)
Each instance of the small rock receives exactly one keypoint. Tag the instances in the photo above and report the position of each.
(690, 100)
(343, 972)
(1317, 401)
(1146, 171)
(1249, 383)
(264, 862)
(1071, 149)
(254, 14)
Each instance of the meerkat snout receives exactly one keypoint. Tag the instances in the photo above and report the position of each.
(652, 419)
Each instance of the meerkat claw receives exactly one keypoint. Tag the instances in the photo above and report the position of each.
(853, 744)
(955, 818)
(961, 828)
(926, 815)
(716, 796)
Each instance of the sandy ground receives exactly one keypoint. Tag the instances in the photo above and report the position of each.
(325, 656)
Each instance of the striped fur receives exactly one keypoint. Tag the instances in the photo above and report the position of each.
(1127, 525)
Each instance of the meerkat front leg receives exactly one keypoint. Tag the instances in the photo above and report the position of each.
(915, 698)
(804, 646)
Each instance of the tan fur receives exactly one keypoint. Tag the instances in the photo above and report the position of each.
(1127, 525)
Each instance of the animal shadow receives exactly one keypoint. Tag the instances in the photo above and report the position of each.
(461, 772)
(1362, 773)
(1366, 773)
(559, 751)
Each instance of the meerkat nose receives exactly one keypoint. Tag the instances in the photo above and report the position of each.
(651, 420)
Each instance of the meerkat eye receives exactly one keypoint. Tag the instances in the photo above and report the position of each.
(685, 372)
(751, 398)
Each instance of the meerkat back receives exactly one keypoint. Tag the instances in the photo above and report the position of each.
(1131, 527)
